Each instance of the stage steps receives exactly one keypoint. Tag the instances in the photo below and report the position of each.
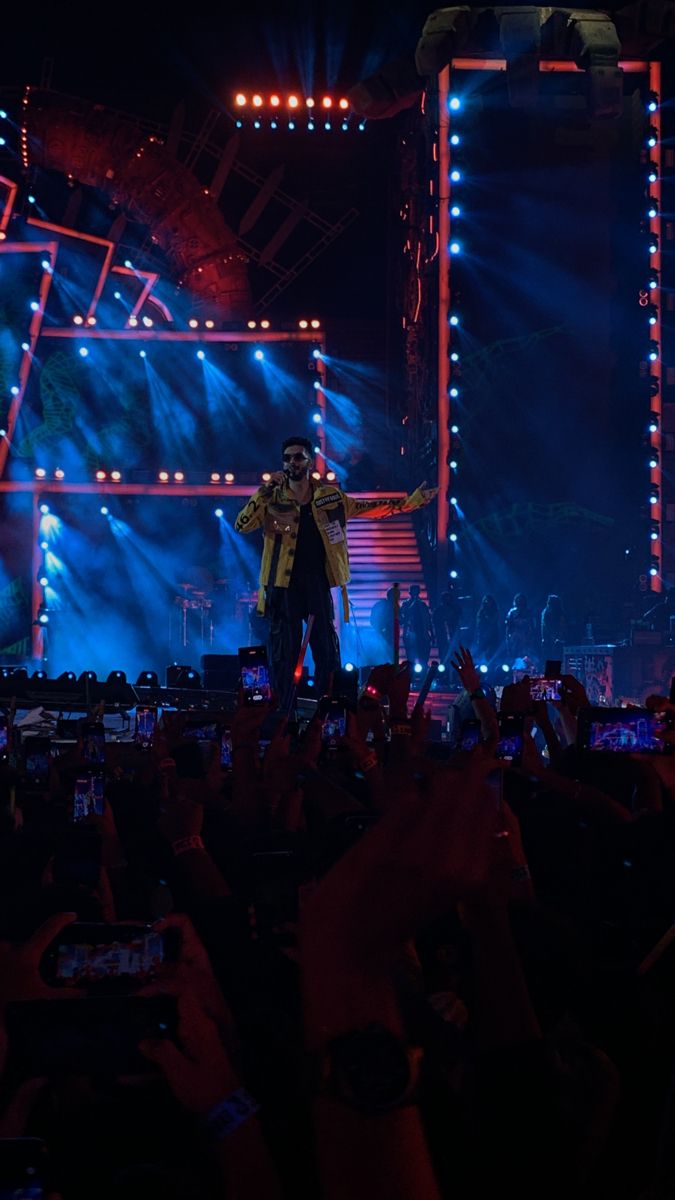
(381, 553)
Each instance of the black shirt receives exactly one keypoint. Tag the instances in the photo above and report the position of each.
(310, 556)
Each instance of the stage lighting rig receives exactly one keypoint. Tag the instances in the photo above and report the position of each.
(523, 32)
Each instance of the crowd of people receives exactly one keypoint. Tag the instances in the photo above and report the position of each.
(338, 967)
(522, 636)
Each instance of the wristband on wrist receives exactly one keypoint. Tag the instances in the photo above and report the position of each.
(229, 1114)
(182, 845)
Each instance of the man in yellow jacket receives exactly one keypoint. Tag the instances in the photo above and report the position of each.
(305, 554)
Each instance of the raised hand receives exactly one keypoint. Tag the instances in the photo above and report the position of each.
(466, 669)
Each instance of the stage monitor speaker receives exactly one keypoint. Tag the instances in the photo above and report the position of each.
(220, 672)
(182, 676)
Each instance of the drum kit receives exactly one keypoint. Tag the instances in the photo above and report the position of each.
(205, 609)
(192, 600)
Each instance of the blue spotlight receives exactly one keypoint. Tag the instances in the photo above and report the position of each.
(31, 199)
(317, 384)
(3, 115)
(25, 346)
(239, 123)
(455, 103)
(454, 428)
(141, 354)
(344, 126)
(46, 265)
(483, 669)
(201, 355)
(653, 570)
(327, 125)
(83, 352)
(653, 105)
(118, 295)
(128, 265)
(453, 537)
(652, 176)
(349, 666)
(455, 211)
(316, 417)
(455, 175)
(218, 512)
(654, 535)
(453, 501)
(454, 392)
(454, 357)
(273, 125)
(44, 545)
(651, 141)
(453, 464)
(454, 319)
(3, 433)
(44, 509)
(362, 126)
(259, 355)
(454, 140)
(418, 668)
(291, 124)
(505, 667)
(14, 390)
(453, 574)
(441, 668)
(43, 581)
(256, 124)
(316, 353)
(35, 306)
(44, 618)
(455, 248)
(310, 126)
(104, 510)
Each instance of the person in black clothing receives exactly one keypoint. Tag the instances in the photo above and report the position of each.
(488, 633)
(553, 628)
(521, 634)
(446, 621)
(417, 627)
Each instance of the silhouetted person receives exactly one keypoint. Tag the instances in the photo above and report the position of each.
(521, 632)
(553, 628)
(488, 629)
(417, 627)
(446, 621)
(382, 620)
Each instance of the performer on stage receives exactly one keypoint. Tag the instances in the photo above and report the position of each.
(305, 554)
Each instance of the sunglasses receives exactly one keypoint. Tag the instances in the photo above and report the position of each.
(295, 458)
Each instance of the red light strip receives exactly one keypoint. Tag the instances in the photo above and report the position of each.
(84, 237)
(12, 189)
(655, 226)
(34, 328)
(442, 514)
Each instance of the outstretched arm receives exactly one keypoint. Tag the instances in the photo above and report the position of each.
(388, 507)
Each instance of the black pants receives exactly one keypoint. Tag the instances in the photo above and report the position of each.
(286, 609)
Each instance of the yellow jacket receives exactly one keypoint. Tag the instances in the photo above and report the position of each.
(275, 508)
